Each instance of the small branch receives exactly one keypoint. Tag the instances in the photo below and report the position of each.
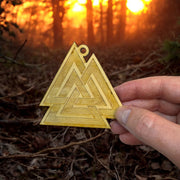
(8, 138)
(70, 144)
(19, 93)
(20, 48)
(19, 122)
(21, 156)
(131, 68)
(145, 63)
(44, 152)
(110, 172)
(11, 60)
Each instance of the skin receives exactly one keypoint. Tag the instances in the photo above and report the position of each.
(150, 114)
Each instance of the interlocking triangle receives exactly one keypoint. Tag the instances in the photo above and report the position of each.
(80, 94)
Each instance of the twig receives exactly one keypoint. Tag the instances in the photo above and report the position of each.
(25, 91)
(21, 156)
(20, 121)
(110, 172)
(99, 161)
(131, 67)
(11, 60)
(44, 152)
(22, 106)
(63, 135)
(112, 160)
(8, 138)
(19, 93)
(70, 144)
(144, 63)
(20, 48)
(70, 173)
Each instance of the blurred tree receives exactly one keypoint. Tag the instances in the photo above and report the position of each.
(90, 26)
(101, 29)
(58, 16)
(163, 15)
(109, 22)
(30, 27)
(121, 24)
(5, 25)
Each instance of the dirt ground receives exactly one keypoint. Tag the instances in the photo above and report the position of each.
(31, 151)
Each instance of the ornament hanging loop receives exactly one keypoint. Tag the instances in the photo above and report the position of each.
(83, 50)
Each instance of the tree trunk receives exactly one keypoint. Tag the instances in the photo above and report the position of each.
(58, 15)
(121, 26)
(101, 22)
(109, 34)
(90, 28)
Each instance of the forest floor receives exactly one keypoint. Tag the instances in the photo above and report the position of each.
(31, 151)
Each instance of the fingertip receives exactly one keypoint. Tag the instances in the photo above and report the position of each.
(129, 139)
(116, 89)
(116, 128)
(112, 123)
(122, 114)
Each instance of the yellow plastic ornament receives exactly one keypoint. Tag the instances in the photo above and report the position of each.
(80, 94)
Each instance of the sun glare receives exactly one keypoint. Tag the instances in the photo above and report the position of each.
(135, 6)
(77, 7)
(77, 11)
(95, 2)
(82, 1)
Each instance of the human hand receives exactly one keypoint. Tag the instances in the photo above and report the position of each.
(150, 114)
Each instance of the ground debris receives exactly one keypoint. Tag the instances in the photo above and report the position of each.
(31, 151)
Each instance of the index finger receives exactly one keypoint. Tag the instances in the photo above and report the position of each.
(161, 87)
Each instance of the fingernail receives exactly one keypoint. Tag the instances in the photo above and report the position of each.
(122, 115)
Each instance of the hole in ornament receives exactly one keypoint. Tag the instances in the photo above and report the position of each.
(83, 50)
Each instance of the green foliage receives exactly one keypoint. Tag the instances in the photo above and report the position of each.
(172, 50)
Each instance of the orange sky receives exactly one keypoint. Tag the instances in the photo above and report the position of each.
(78, 9)
(38, 13)
(136, 6)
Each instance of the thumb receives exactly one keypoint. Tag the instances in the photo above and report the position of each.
(152, 130)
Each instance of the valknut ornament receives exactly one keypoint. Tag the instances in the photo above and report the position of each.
(80, 94)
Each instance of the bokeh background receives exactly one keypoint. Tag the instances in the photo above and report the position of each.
(131, 38)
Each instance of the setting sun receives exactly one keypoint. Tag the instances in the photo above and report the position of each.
(135, 5)
(77, 7)
(75, 21)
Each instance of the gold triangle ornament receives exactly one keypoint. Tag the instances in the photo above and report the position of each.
(80, 94)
